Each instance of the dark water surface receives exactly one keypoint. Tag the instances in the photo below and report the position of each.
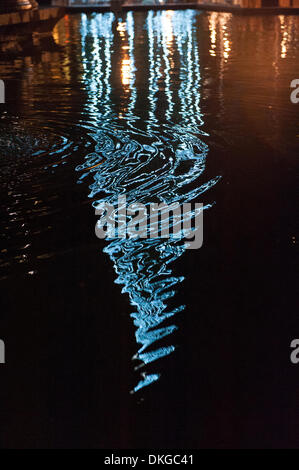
(165, 106)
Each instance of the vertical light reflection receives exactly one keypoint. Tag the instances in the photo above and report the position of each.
(167, 42)
(131, 38)
(153, 67)
(224, 19)
(107, 36)
(127, 66)
(219, 27)
(126, 73)
(96, 35)
(213, 33)
(154, 31)
(288, 34)
(190, 78)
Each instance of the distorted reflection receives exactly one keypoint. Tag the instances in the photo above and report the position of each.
(213, 33)
(129, 93)
(287, 27)
(152, 160)
(219, 26)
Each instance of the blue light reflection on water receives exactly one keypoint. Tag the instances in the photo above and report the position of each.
(158, 159)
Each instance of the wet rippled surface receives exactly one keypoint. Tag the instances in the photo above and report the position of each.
(163, 107)
(154, 158)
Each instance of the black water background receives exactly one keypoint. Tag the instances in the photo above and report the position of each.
(67, 328)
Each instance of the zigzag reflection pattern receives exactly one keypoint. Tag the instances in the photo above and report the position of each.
(157, 159)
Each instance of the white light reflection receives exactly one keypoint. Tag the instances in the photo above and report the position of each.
(96, 34)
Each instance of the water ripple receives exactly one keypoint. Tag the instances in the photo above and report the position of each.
(158, 159)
